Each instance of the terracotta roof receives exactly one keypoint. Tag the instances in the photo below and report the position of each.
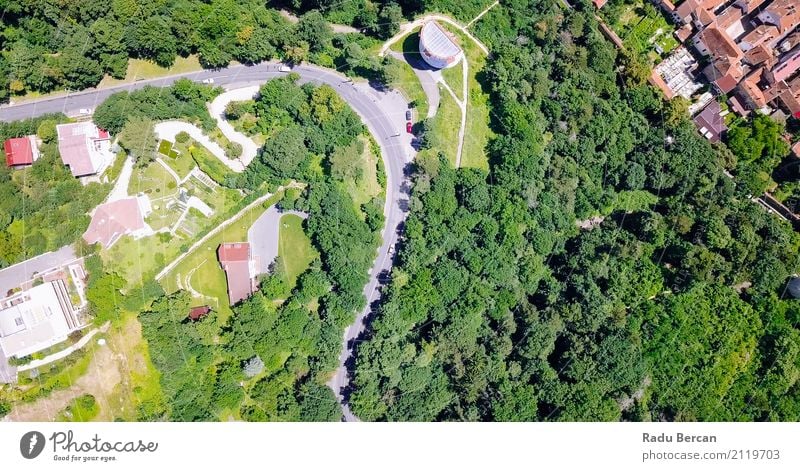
(763, 34)
(599, 3)
(751, 90)
(111, 221)
(235, 260)
(684, 32)
(718, 43)
(787, 13)
(796, 149)
(758, 55)
(18, 151)
(656, 80)
(737, 107)
(198, 312)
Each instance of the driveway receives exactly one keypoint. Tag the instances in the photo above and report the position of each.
(427, 77)
(15, 275)
(263, 236)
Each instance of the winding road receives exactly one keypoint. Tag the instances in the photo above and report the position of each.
(383, 112)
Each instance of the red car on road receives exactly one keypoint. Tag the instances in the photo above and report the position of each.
(408, 127)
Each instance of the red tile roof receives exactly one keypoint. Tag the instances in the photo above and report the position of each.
(113, 220)
(197, 313)
(599, 3)
(235, 260)
(18, 151)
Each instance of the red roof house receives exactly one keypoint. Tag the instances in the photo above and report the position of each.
(237, 262)
(20, 151)
(198, 312)
(111, 221)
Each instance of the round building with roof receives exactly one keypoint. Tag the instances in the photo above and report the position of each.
(438, 47)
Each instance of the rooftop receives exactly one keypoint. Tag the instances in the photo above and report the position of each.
(78, 146)
(111, 221)
(36, 319)
(437, 41)
(235, 260)
(19, 150)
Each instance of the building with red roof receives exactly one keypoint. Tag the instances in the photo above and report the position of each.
(84, 148)
(113, 220)
(235, 258)
(21, 151)
(198, 312)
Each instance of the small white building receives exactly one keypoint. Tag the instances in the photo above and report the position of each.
(438, 46)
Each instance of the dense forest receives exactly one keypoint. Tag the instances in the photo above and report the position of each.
(605, 268)
(270, 360)
(42, 207)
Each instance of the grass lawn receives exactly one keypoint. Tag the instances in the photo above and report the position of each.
(165, 149)
(403, 77)
(182, 164)
(642, 27)
(139, 69)
(154, 180)
(477, 133)
(454, 76)
(81, 409)
(209, 164)
(365, 185)
(201, 269)
(113, 171)
(294, 247)
(445, 126)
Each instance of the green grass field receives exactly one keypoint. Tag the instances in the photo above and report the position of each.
(445, 127)
(403, 76)
(209, 164)
(294, 247)
(477, 133)
(154, 180)
(454, 76)
(165, 149)
(200, 270)
(139, 69)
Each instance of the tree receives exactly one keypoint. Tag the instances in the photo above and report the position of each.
(314, 30)
(139, 140)
(390, 17)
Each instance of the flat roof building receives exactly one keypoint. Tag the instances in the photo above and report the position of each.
(239, 269)
(38, 318)
(438, 46)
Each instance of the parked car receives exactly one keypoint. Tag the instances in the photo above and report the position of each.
(285, 68)
(409, 127)
(85, 111)
(408, 115)
(208, 81)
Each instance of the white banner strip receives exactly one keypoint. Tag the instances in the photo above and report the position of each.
(366, 446)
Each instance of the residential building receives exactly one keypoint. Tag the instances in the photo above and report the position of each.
(110, 221)
(84, 148)
(237, 262)
(35, 319)
(198, 312)
(710, 122)
(21, 151)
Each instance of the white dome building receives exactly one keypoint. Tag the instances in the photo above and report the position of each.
(438, 47)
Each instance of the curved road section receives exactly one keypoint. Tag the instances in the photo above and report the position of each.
(382, 112)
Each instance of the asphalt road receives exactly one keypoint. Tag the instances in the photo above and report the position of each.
(382, 112)
(15, 275)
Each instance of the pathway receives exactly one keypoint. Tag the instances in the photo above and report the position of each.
(167, 130)
(120, 190)
(169, 170)
(485, 11)
(408, 27)
(426, 78)
(63, 353)
(217, 110)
